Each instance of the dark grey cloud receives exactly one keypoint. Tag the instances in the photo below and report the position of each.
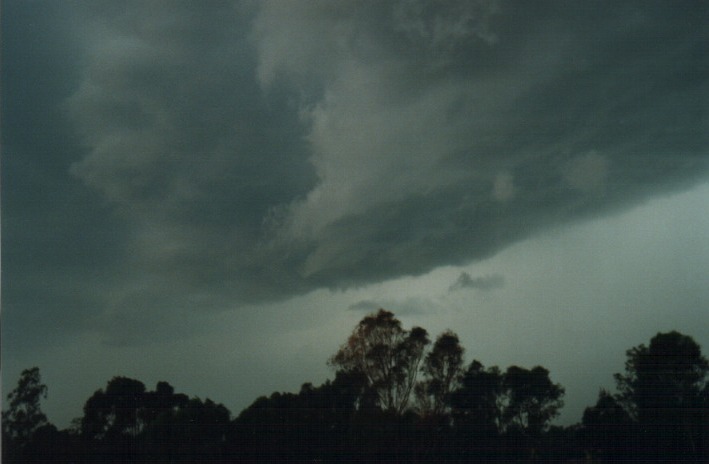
(188, 152)
(487, 282)
(181, 156)
(59, 241)
(532, 115)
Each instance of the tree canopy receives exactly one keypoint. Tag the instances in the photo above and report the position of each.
(387, 355)
(442, 370)
(665, 390)
(666, 377)
(25, 415)
(395, 397)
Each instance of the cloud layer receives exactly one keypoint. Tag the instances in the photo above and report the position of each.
(248, 152)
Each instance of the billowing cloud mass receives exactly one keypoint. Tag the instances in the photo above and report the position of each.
(197, 191)
(251, 151)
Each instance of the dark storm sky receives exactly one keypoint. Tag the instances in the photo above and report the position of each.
(213, 193)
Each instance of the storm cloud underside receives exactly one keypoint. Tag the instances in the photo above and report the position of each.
(241, 153)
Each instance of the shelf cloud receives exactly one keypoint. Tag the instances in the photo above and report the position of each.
(250, 152)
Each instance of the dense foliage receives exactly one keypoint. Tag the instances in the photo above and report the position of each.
(395, 397)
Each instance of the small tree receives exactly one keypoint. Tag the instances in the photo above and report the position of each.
(518, 399)
(25, 415)
(664, 390)
(387, 355)
(664, 379)
(115, 411)
(533, 400)
(442, 370)
(478, 402)
(607, 427)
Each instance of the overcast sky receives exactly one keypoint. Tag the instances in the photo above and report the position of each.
(215, 193)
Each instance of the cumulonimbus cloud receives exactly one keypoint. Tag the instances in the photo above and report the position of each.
(260, 151)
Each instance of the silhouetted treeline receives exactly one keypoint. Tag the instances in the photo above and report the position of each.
(395, 397)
